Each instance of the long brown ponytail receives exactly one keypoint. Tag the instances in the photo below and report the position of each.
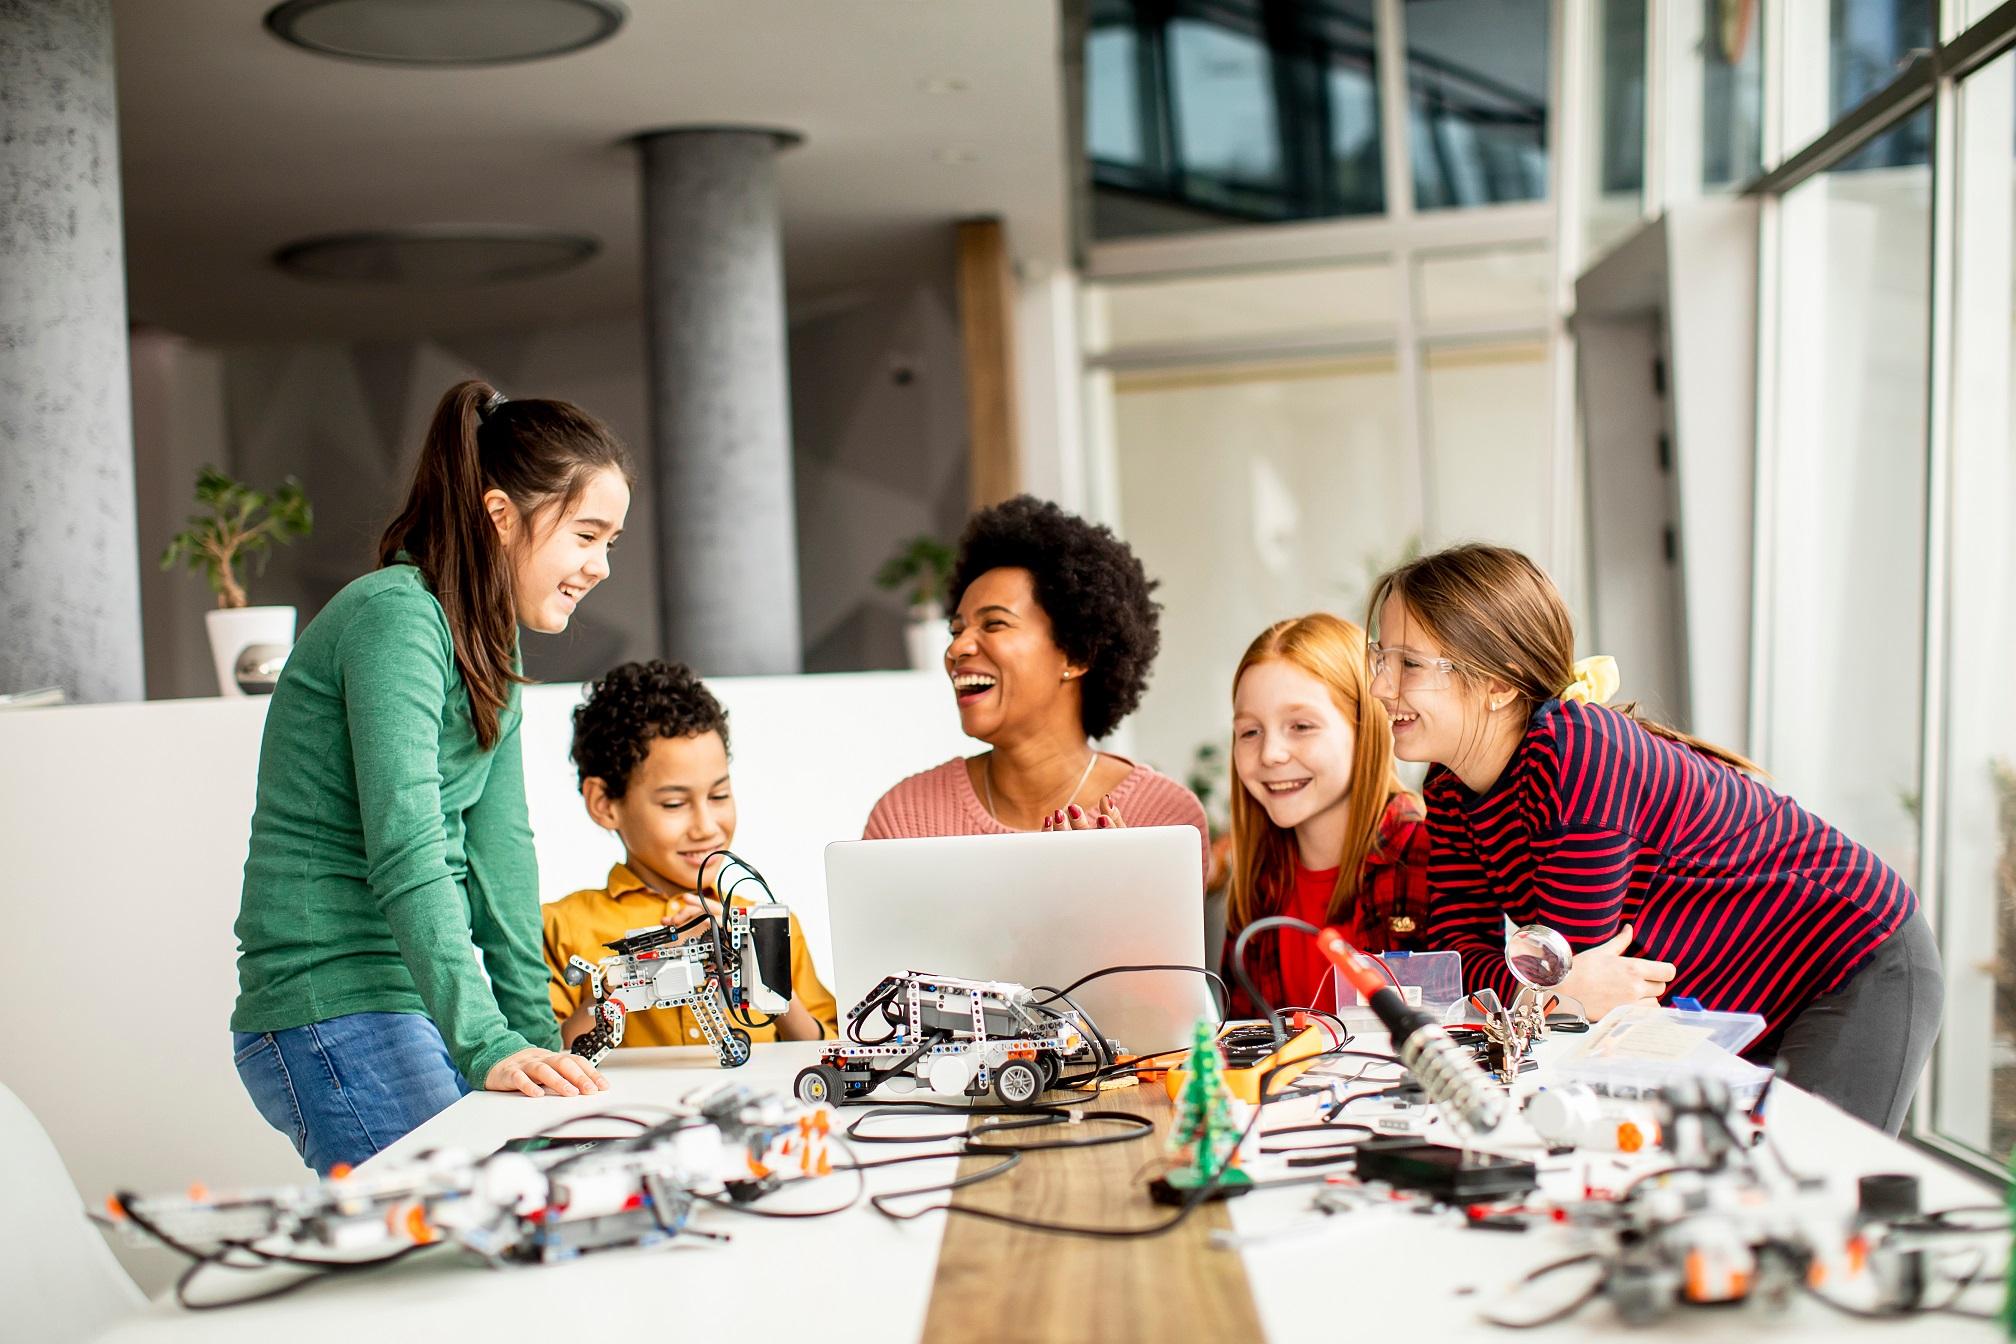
(536, 452)
(1498, 616)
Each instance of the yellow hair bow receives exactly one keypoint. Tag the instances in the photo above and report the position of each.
(1595, 681)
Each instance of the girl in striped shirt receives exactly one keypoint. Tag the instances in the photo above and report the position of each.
(1665, 862)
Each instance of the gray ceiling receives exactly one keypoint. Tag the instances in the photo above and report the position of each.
(234, 143)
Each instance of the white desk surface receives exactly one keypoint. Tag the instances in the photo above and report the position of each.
(859, 1276)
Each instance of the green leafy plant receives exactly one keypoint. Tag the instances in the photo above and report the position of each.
(922, 564)
(1208, 778)
(236, 524)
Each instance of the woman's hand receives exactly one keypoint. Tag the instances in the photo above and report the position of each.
(537, 1073)
(1603, 977)
(1075, 818)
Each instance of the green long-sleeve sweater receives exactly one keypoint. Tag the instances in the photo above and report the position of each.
(387, 845)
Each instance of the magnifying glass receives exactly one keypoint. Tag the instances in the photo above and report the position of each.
(1539, 957)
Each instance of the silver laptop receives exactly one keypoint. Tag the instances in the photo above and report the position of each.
(1034, 909)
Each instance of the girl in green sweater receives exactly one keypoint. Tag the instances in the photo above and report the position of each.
(388, 935)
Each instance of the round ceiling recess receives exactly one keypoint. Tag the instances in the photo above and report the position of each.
(440, 258)
(444, 32)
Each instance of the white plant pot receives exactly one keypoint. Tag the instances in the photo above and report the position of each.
(235, 629)
(925, 638)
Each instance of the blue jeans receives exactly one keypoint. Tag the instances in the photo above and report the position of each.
(345, 1088)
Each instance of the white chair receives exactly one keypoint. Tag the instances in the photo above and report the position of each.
(58, 1277)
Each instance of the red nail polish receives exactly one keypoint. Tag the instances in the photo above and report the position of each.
(1105, 822)
(1076, 812)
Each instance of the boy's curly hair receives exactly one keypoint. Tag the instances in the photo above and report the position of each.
(1088, 582)
(632, 706)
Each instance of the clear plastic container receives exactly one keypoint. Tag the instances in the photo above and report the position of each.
(1639, 1048)
(1430, 981)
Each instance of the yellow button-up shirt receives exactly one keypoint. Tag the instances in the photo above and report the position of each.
(581, 923)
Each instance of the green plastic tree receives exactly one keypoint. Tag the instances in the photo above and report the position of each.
(240, 523)
(1205, 1130)
(924, 565)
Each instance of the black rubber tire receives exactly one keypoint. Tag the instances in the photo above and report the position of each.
(1050, 1068)
(820, 1085)
(735, 1050)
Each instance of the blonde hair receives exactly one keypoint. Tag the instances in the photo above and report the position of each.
(1498, 617)
(1332, 650)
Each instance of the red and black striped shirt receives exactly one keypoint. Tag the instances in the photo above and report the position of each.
(1597, 823)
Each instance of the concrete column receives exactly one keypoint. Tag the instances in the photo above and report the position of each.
(720, 404)
(69, 562)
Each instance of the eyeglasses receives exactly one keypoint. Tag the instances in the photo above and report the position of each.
(1411, 671)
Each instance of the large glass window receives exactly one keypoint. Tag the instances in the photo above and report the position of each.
(1976, 1096)
(1846, 584)
(1204, 114)
(1615, 190)
(1865, 43)
(1732, 92)
(1477, 100)
(1207, 113)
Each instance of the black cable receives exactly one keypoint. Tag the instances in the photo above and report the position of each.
(1193, 1199)
(330, 1270)
(879, 1203)
(1560, 1313)
(736, 1011)
(860, 1192)
(1316, 1154)
(1246, 981)
(1220, 995)
(201, 1260)
(1004, 1119)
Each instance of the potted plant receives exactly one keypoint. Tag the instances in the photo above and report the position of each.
(236, 523)
(922, 568)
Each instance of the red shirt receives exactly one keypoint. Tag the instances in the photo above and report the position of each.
(1391, 915)
(1305, 971)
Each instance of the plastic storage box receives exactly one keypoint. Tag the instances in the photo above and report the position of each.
(1430, 981)
(1639, 1048)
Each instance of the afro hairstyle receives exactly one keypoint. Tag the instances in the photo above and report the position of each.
(632, 706)
(1088, 582)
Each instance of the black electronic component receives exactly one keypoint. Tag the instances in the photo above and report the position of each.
(1446, 1174)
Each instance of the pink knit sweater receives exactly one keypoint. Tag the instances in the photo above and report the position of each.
(941, 801)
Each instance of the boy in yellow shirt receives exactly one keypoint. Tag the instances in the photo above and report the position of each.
(651, 745)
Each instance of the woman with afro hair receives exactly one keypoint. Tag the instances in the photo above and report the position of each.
(1053, 633)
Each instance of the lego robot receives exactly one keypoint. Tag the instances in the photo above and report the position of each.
(950, 1036)
(511, 1207)
(719, 975)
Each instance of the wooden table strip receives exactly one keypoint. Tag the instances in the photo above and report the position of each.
(1002, 1283)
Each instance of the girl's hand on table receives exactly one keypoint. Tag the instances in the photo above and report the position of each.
(1603, 977)
(538, 1073)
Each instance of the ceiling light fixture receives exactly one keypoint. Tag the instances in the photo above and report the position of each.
(444, 32)
(443, 257)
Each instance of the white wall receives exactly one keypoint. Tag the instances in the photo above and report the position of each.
(125, 830)
(178, 427)
(1252, 492)
(878, 420)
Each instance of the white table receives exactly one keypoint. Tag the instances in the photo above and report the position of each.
(859, 1276)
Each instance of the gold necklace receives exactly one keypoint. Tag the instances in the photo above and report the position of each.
(987, 781)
